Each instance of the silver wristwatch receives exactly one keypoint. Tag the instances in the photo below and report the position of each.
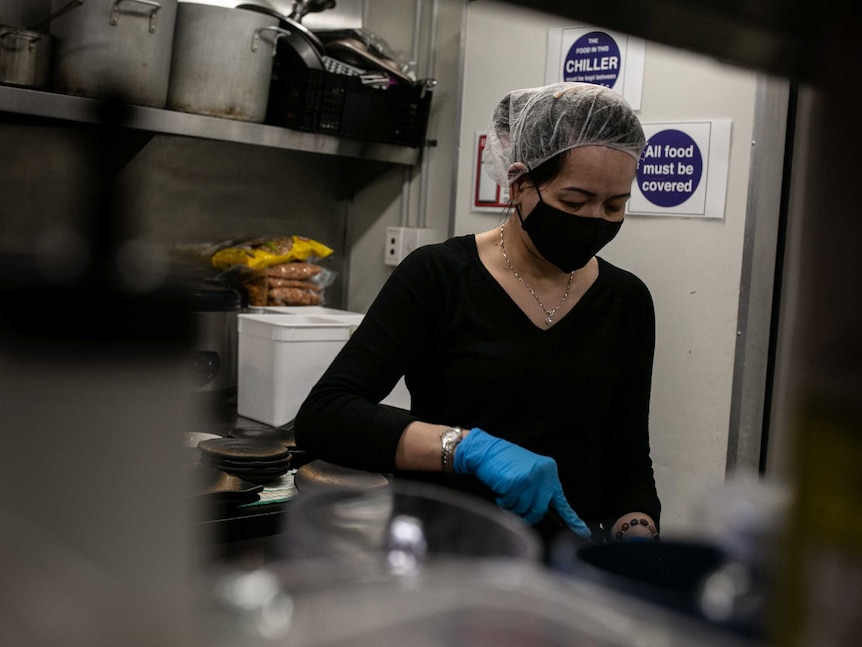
(450, 438)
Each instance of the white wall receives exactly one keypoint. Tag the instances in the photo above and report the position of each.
(691, 266)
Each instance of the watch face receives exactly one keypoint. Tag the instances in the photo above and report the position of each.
(451, 434)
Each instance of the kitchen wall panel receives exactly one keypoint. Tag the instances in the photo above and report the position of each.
(423, 195)
(186, 191)
(174, 191)
(45, 181)
(21, 13)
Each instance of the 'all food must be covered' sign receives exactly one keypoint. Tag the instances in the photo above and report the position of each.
(683, 170)
(592, 55)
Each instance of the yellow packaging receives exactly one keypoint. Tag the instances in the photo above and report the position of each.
(267, 254)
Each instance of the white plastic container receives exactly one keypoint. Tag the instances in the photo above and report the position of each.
(306, 310)
(281, 358)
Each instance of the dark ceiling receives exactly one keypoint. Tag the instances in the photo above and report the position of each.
(781, 37)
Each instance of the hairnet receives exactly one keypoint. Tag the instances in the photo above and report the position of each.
(535, 124)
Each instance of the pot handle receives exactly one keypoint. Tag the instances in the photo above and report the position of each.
(31, 40)
(280, 33)
(115, 11)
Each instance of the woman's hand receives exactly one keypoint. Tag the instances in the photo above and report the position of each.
(525, 483)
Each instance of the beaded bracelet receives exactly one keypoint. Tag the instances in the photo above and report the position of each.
(637, 522)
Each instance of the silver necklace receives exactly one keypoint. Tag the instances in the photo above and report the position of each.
(549, 314)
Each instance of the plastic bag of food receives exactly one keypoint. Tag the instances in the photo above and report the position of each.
(260, 253)
(288, 284)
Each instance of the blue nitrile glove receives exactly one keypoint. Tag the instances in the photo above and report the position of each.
(525, 483)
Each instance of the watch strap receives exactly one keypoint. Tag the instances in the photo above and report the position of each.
(449, 439)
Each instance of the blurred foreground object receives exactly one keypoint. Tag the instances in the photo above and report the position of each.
(98, 548)
(412, 563)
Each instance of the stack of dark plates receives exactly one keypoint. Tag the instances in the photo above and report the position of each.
(283, 434)
(256, 461)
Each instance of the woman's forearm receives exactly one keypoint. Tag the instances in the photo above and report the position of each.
(420, 447)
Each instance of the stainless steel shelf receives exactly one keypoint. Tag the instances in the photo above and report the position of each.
(79, 109)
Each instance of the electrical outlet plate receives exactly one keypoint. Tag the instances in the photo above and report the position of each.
(392, 252)
(400, 241)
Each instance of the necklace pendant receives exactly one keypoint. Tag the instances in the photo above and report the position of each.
(549, 319)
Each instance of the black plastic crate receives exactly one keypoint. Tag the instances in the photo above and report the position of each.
(325, 102)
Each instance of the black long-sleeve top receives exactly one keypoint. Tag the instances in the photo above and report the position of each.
(578, 391)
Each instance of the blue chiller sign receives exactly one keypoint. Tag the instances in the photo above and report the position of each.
(593, 58)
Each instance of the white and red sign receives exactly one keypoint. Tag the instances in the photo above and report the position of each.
(487, 196)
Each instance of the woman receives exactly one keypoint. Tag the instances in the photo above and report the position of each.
(527, 358)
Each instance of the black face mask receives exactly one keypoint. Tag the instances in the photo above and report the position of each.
(564, 239)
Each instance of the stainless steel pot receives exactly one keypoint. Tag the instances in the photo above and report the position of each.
(25, 57)
(25, 52)
(222, 61)
(115, 49)
(214, 360)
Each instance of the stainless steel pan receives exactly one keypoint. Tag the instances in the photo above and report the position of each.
(306, 45)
